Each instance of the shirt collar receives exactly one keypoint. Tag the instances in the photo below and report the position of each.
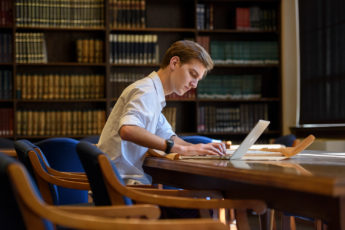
(159, 88)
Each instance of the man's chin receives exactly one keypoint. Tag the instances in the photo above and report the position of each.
(181, 93)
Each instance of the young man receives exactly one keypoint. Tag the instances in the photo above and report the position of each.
(136, 122)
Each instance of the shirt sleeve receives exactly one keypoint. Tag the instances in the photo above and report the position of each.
(138, 111)
(164, 129)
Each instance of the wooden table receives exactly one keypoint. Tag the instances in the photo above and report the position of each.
(310, 184)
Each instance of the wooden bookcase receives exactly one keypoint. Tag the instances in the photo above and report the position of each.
(169, 21)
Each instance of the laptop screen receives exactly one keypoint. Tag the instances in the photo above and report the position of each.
(250, 139)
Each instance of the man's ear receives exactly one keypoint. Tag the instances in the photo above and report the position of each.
(174, 61)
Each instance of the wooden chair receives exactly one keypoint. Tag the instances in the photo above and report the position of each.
(108, 188)
(47, 183)
(22, 208)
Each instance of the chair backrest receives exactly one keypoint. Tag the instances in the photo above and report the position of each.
(62, 155)
(11, 215)
(88, 155)
(6, 143)
(23, 147)
(287, 140)
(196, 139)
(92, 139)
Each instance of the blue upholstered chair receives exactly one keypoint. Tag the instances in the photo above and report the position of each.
(195, 139)
(62, 155)
(6, 143)
(289, 140)
(92, 139)
(105, 181)
(22, 208)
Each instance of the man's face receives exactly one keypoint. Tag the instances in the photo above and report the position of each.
(187, 76)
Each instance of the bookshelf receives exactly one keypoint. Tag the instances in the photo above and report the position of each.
(132, 37)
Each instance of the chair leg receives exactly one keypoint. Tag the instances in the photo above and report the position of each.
(265, 220)
(242, 220)
(285, 222)
(272, 219)
(292, 223)
(319, 225)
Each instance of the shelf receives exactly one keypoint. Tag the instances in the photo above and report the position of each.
(135, 65)
(234, 31)
(170, 22)
(45, 137)
(242, 1)
(61, 64)
(337, 132)
(6, 100)
(181, 100)
(271, 132)
(44, 28)
(6, 64)
(274, 99)
(60, 100)
(247, 65)
(164, 30)
(9, 27)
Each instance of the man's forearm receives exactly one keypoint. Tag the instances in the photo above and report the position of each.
(180, 141)
(141, 136)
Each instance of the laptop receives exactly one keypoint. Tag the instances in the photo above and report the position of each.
(250, 139)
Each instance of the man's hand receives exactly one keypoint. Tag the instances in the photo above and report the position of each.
(203, 149)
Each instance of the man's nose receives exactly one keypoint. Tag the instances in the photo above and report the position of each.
(194, 84)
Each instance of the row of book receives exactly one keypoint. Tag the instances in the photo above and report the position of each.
(5, 47)
(89, 51)
(127, 13)
(31, 48)
(237, 119)
(134, 49)
(6, 84)
(255, 18)
(59, 86)
(59, 123)
(244, 52)
(5, 12)
(170, 115)
(230, 87)
(204, 41)
(6, 121)
(60, 13)
(120, 80)
(204, 16)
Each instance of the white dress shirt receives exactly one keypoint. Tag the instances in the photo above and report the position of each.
(140, 104)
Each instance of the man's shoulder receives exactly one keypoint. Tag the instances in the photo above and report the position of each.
(141, 87)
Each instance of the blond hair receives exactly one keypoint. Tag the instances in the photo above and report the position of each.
(187, 50)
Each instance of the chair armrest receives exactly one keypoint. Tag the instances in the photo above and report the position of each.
(78, 175)
(72, 178)
(123, 211)
(143, 186)
(182, 202)
(182, 193)
(39, 171)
